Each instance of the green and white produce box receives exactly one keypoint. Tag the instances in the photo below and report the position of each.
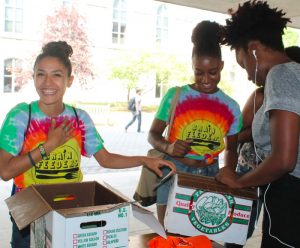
(204, 206)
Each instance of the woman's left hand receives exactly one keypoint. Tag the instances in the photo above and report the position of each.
(229, 177)
(156, 164)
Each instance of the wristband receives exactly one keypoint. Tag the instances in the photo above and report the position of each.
(43, 152)
(31, 159)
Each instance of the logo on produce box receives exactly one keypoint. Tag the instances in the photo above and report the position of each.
(212, 213)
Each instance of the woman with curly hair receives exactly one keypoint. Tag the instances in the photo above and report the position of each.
(247, 159)
(255, 32)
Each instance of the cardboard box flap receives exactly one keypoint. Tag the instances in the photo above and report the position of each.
(117, 192)
(148, 218)
(210, 184)
(78, 195)
(37, 200)
(79, 211)
(27, 206)
(74, 199)
(145, 216)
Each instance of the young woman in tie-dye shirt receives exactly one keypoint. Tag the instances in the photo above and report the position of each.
(42, 142)
(206, 120)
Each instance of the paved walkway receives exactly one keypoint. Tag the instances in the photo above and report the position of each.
(116, 140)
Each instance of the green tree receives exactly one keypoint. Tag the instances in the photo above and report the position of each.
(128, 68)
(290, 37)
(166, 67)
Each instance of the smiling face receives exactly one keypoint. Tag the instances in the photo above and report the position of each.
(51, 80)
(207, 73)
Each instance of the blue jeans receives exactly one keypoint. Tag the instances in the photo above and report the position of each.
(163, 190)
(135, 116)
(20, 238)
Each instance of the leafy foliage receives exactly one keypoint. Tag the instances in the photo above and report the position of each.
(166, 67)
(290, 37)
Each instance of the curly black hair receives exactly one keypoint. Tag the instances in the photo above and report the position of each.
(206, 38)
(58, 49)
(255, 20)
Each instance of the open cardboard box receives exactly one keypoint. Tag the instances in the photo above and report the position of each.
(87, 214)
(204, 206)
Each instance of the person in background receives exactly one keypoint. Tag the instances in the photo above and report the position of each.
(137, 111)
(42, 142)
(247, 159)
(255, 32)
(293, 52)
(206, 120)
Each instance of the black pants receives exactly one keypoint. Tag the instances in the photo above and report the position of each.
(282, 207)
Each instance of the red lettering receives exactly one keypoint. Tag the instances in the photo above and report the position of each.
(240, 215)
(183, 204)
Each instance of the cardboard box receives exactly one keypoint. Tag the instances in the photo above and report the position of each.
(87, 214)
(204, 206)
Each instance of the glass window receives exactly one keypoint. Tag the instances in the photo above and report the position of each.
(13, 20)
(162, 24)
(12, 68)
(119, 21)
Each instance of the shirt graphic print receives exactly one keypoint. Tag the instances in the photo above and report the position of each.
(63, 163)
(203, 119)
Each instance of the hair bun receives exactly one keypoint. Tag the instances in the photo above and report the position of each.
(206, 31)
(58, 47)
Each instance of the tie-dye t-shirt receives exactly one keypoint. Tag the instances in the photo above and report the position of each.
(63, 163)
(203, 118)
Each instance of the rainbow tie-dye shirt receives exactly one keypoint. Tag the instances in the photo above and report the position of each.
(203, 118)
(63, 163)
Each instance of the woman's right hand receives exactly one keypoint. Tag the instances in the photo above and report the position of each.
(58, 135)
(179, 148)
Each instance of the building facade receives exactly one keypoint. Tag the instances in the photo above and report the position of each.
(114, 28)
